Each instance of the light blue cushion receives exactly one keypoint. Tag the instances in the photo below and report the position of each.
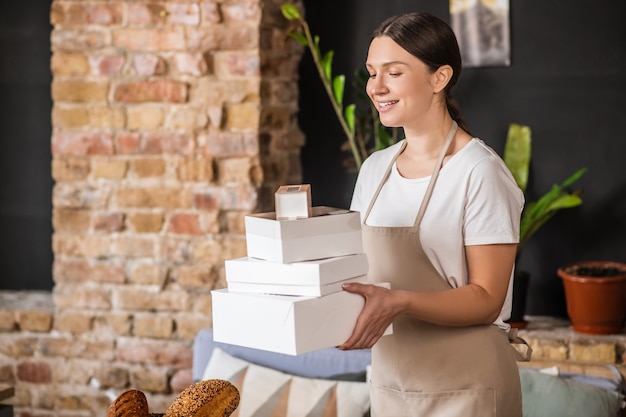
(323, 363)
(550, 396)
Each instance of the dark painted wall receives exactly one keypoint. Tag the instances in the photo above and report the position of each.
(25, 180)
(567, 82)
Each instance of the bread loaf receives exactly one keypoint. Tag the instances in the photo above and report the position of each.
(209, 398)
(131, 403)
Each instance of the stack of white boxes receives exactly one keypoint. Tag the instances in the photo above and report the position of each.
(286, 295)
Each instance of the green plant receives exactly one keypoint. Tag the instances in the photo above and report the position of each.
(362, 128)
(517, 153)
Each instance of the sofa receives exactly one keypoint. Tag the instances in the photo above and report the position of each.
(331, 382)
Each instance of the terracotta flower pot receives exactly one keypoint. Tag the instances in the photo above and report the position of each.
(595, 293)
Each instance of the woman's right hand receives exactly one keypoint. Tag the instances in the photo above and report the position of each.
(379, 311)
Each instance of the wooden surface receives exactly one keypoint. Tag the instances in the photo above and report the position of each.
(591, 369)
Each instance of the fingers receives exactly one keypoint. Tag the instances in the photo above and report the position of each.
(364, 341)
(366, 333)
(356, 339)
(355, 287)
(373, 319)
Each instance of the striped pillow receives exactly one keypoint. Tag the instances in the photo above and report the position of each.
(268, 392)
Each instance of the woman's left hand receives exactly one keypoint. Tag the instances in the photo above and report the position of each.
(378, 312)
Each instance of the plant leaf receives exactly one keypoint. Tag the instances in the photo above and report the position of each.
(327, 64)
(538, 212)
(349, 115)
(565, 201)
(300, 38)
(339, 83)
(316, 45)
(290, 11)
(517, 153)
(574, 177)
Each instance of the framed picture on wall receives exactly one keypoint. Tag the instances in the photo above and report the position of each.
(483, 31)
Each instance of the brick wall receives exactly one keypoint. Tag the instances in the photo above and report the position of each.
(171, 120)
(554, 343)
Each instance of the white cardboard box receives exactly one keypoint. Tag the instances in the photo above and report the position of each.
(291, 289)
(293, 201)
(315, 272)
(285, 324)
(330, 232)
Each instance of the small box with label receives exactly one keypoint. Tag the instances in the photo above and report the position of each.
(293, 202)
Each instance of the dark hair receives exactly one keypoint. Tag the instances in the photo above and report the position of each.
(432, 41)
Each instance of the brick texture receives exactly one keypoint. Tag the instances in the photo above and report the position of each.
(168, 127)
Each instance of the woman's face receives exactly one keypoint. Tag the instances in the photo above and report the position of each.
(400, 85)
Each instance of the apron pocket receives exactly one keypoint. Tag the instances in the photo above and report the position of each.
(475, 402)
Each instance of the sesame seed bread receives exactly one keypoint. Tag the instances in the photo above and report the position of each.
(208, 398)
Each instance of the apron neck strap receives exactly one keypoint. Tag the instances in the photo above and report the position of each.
(382, 182)
(431, 184)
(435, 174)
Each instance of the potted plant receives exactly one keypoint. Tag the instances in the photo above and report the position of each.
(517, 156)
(595, 293)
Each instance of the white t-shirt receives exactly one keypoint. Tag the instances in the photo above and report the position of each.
(475, 202)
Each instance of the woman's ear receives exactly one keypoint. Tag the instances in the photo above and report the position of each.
(442, 77)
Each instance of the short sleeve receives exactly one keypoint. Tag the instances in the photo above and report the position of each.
(357, 196)
(494, 205)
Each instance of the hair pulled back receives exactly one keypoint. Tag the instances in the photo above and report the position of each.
(432, 41)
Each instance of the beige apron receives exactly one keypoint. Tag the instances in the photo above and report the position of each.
(426, 370)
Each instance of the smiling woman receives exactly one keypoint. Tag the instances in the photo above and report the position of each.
(440, 216)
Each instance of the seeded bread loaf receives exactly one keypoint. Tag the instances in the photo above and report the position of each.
(208, 398)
